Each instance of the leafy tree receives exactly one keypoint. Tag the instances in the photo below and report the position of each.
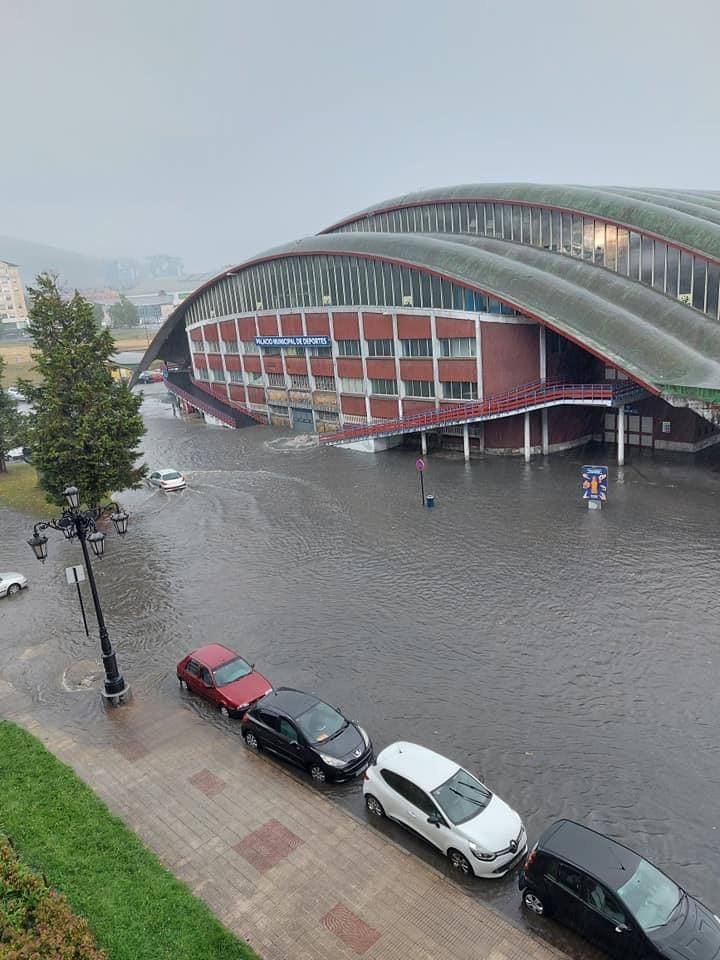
(124, 314)
(12, 423)
(86, 427)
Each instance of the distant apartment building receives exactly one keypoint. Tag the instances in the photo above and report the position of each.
(13, 308)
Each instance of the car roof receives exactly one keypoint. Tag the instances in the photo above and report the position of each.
(168, 470)
(10, 573)
(424, 767)
(213, 654)
(289, 701)
(606, 859)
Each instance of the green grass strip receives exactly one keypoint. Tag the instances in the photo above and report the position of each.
(137, 910)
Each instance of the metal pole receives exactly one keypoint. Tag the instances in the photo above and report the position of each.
(422, 488)
(82, 605)
(114, 682)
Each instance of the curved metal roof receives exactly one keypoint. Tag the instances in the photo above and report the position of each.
(657, 340)
(689, 219)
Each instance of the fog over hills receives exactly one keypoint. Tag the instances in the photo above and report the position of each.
(84, 272)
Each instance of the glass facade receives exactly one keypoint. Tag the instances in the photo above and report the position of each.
(316, 281)
(638, 256)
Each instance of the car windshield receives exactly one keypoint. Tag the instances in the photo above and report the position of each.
(650, 896)
(231, 671)
(170, 475)
(321, 722)
(462, 797)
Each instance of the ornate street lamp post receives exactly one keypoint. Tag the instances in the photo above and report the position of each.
(75, 522)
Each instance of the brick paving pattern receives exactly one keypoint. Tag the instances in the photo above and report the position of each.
(278, 863)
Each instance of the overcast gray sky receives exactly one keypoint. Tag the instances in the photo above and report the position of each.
(213, 130)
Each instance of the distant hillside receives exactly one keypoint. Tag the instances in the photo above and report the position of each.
(83, 271)
(75, 269)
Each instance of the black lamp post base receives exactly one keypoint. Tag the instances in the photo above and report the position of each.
(115, 695)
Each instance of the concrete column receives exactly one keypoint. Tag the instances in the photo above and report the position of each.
(526, 430)
(621, 436)
(543, 354)
(435, 355)
(545, 434)
(481, 438)
(423, 442)
(466, 441)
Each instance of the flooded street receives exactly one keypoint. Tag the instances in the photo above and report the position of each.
(568, 658)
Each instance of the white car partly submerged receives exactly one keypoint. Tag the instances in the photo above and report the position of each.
(12, 583)
(443, 803)
(167, 479)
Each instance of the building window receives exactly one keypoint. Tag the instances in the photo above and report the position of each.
(325, 383)
(272, 351)
(320, 351)
(299, 381)
(293, 351)
(460, 390)
(419, 388)
(212, 346)
(201, 373)
(218, 376)
(386, 387)
(230, 346)
(329, 416)
(458, 347)
(381, 348)
(249, 346)
(416, 348)
(255, 379)
(348, 348)
(235, 376)
(352, 385)
(276, 379)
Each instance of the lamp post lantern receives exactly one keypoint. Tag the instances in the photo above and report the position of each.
(75, 522)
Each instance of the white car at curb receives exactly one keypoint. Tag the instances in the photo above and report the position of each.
(443, 803)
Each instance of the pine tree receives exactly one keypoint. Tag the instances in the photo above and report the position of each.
(86, 427)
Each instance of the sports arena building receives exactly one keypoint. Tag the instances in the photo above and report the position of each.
(504, 318)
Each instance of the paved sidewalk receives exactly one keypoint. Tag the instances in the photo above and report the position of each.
(278, 863)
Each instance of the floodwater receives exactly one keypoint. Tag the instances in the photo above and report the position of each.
(570, 658)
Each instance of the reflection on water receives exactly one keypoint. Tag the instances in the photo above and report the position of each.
(568, 658)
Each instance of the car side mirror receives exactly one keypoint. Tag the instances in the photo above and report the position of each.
(622, 928)
(435, 818)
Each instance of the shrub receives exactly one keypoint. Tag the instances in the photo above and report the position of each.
(36, 923)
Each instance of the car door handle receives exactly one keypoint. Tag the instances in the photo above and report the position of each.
(411, 813)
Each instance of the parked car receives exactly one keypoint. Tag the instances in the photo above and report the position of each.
(150, 376)
(223, 677)
(14, 393)
(12, 583)
(15, 455)
(167, 480)
(615, 898)
(443, 803)
(308, 732)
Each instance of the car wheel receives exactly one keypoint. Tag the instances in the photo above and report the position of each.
(13, 589)
(374, 806)
(534, 903)
(317, 772)
(460, 863)
(252, 741)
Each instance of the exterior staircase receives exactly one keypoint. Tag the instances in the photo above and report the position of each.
(530, 396)
(179, 383)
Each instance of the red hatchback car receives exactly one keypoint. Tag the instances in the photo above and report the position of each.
(223, 677)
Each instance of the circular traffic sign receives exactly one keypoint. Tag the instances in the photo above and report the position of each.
(420, 464)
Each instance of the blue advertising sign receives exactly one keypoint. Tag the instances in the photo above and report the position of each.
(594, 483)
(293, 341)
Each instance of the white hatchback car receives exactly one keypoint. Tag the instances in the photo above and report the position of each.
(11, 583)
(167, 479)
(443, 803)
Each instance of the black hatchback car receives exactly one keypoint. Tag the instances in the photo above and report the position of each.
(614, 898)
(309, 733)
